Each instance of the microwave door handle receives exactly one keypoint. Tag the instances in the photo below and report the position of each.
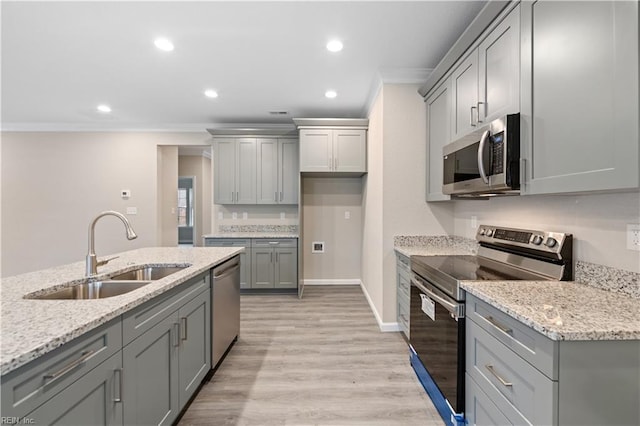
(483, 140)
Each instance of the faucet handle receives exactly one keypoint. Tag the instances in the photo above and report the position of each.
(105, 261)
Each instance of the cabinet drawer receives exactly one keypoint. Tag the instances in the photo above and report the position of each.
(403, 319)
(523, 394)
(144, 317)
(275, 242)
(404, 287)
(29, 386)
(479, 409)
(403, 263)
(227, 242)
(537, 349)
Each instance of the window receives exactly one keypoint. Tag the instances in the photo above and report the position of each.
(185, 207)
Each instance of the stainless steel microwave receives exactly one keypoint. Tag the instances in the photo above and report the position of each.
(484, 162)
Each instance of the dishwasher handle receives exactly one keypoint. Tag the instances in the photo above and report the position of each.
(225, 272)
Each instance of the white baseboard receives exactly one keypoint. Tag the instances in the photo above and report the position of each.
(384, 326)
(350, 281)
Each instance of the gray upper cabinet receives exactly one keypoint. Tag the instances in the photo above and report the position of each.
(438, 135)
(277, 175)
(464, 98)
(499, 70)
(580, 96)
(333, 150)
(235, 171)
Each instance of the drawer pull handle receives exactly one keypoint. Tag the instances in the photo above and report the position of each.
(497, 376)
(274, 243)
(499, 326)
(176, 334)
(184, 327)
(117, 397)
(64, 370)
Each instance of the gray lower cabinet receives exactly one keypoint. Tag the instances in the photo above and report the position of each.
(245, 258)
(94, 399)
(403, 294)
(164, 365)
(515, 375)
(274, 263)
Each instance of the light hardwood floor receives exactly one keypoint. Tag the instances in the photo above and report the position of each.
(321, 360)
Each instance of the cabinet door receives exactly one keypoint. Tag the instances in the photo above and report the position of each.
(150, 378)
(580, 96)
(289, 173)
(267, 159)
(262, 267)
(246, 171)
(499, 70)
(438, 135)
(245, 268)
(94, 399)
(225, 171)
(195, 344)
(286, 267)
(349, 150)
(316, 150)
(464, 96)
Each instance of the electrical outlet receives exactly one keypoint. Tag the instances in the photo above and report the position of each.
(474, 222)
(347, 214)
(245, 215)
(317, 247)
(220, 215)
(234, 215)
(281, 215)
(633, 237)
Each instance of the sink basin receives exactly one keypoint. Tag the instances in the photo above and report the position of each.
(93, 290)
(148, 273)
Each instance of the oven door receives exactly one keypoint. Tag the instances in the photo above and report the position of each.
(437, 328)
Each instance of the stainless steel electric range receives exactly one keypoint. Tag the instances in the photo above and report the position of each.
(437, 324)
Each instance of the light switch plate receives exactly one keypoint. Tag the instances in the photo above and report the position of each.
(474, 222)
(347, 214)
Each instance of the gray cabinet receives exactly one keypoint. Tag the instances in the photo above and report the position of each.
(169, 354)
(338, 149)
(234, 170)
(277, 173)
(438, 135)
(94, 399)
(32, 385)
(274, 263)
(403, 292)
(464, 96)
(245, 258)
(515, 373)
(580, 96)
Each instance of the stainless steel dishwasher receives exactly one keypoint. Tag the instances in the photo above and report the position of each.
(225, 318)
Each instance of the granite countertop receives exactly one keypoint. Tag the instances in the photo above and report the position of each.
(563, 310)
(602, 304)
(30, 328)
(256, 234)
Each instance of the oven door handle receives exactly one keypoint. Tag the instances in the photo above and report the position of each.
(456, 309)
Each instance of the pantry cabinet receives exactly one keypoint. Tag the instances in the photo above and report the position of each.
(580, 113)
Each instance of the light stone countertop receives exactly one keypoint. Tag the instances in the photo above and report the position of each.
(30, 328)
(560, 310)
(257, 234)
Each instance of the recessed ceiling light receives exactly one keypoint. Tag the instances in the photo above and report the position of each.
(163, 44)
(211, 93)
(331, 94)
(334, 46)
(104, 108)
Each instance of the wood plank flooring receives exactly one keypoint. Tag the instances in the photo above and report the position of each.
(317, 361)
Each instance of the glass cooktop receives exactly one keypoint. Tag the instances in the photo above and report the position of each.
(473, 268)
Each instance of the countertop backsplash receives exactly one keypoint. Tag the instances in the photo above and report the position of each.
(607, 278)
(230, 229)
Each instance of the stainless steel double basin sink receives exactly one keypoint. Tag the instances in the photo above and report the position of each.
(114, 285)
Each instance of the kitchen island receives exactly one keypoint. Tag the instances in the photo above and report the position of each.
(135, 358)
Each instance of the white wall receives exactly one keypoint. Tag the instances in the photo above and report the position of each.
(395, 190)
(597, 221)
(54, 183)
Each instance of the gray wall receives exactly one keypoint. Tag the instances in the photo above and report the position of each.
(54, 183)
(325, 201)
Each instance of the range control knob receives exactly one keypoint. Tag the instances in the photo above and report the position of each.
(551, 242)
(537, 240)
(489, 232)
(482, 231)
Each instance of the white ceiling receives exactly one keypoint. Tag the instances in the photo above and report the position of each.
(61, 59)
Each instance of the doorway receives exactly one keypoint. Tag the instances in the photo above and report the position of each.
(186, 210)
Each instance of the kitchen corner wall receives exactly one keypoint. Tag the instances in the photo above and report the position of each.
(598, 222)
(394, 191)
(199, 167)
(54, 183)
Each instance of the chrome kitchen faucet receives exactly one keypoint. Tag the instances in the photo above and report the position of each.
(92, 261)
